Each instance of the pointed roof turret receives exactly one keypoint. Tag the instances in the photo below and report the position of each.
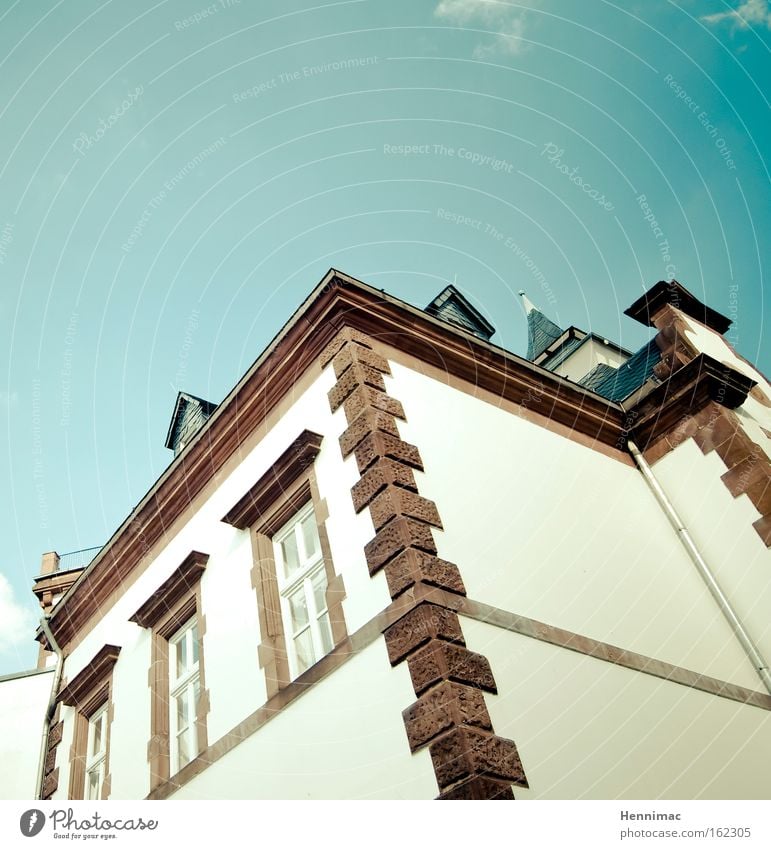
(541, 331)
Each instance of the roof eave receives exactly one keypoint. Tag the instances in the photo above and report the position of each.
(337, 301)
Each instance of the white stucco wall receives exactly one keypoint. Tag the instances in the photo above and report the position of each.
(585, 358)
(721, 526)
(343, 739)
(233, 676)
(23, 703)
(586, 729)
(544, 527)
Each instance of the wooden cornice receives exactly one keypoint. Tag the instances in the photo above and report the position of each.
(95, 673)
(337, 301)
(289, 466)
(185, 576)
(688, 390)
(480, 363)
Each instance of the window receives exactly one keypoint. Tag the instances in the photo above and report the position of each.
(90, 695)
(299, 596)
(185, 692)
(96, 753)
(302, 583)
(179, 699)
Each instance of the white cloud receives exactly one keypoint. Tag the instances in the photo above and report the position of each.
(17, 624)
(506, 19)
(748, 12)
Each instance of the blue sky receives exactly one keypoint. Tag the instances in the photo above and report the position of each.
(175, 177)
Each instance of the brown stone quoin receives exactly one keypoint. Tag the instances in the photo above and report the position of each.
(51, 771)
(713, 426)
(450, 717)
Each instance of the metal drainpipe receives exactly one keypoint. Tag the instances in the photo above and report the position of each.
(51, 704)
(709, 579)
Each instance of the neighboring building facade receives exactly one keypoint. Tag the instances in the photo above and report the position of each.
(398, 561)
(23, 699)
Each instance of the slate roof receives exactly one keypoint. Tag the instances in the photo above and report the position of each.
(190, 413)
(451, 306)
(597, 376)
(541, 332)
(617, 384)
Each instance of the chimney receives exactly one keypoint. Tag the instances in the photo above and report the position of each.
(57, 575)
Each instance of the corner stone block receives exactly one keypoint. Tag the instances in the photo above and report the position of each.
(398, 534)
(50, 784)
(384, 472)
(55, 734)
(365, 398)
(379, 444)
(719, 431)
(346, 335)
(466, 752)
(355, 353)
(751, 475)
(394, 502)
(763, 527)
(413, 565)
(441, 661)
(357, 375)
(368, 422)
(50, 761)
(478, 788)
(441, 709)
(424, 622)
(759, 494)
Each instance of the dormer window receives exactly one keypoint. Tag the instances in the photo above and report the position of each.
(451, 306)
(190, 415)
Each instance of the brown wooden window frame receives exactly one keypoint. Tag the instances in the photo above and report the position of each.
(170, 609)
(279, 495)
(88, 693)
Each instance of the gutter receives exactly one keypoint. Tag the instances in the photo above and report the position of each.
(751, 650)
(51, 704)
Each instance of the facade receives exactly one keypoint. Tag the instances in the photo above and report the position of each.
(400, 562)
(23, 699)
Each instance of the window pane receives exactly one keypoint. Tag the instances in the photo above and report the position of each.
(92, 784)
(183, 710)
(310, 535)
(325, 628)
(181, 647)
(289, 554)
(298, 607)
(319, 581)
(303, 646)
(96, 745)
(194, 638)
(183, 749)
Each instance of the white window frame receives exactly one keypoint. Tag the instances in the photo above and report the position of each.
(310, 565)
(184, 685)
(95, 761)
